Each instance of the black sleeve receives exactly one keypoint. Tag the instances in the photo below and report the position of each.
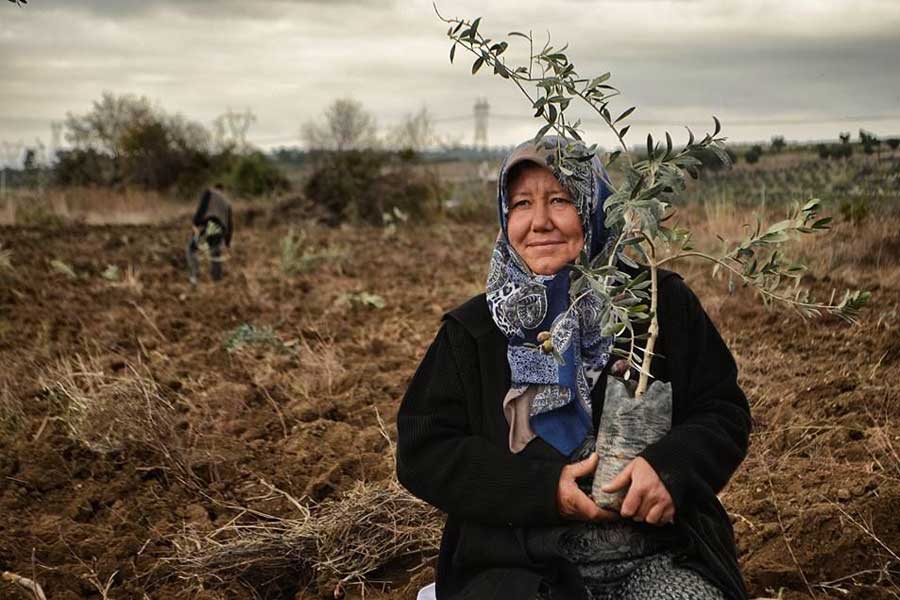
(710, 435)
(201, 209)
(440, 460)
(230, 229)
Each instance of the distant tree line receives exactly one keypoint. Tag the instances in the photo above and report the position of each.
(125, 140)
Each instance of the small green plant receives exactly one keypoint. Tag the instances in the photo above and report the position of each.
(391, 220)
(247, 334)
(361, 299)
(63, 268)
(298, 256)
(111, 273)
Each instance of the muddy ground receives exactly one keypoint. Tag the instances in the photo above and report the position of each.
(815, 506)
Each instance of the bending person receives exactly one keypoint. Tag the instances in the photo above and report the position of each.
(212, 224)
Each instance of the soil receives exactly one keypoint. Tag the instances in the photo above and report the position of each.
(814, 506)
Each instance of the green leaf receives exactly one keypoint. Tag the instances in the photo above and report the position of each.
(477, 64)
(627, 260)
(649, 145)
(613, 330)
(474, 29)
(598, 80)
(777, 237)
(452, 52)
(811, 205)
(718, 126)
(518, 34)
(780, 226)
(542, 131)
(690, 136)
(624, 130)
(624, 114)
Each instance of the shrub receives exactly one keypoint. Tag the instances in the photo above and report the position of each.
(82, 167)
(255, 174)
(855, 210)
(778, 143)
(753, 155)
(361, 185)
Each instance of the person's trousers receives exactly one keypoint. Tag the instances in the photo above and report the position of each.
(214, 242)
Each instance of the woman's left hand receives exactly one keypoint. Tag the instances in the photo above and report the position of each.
(647, 498)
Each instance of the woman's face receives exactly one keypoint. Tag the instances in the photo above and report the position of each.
(543, 225)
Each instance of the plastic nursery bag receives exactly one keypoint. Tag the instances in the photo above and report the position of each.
(627, 426)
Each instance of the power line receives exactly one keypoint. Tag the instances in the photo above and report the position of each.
(660, 122)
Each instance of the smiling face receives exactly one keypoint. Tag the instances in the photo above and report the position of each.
(543, 225)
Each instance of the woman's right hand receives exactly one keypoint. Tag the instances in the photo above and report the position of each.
(571, 502)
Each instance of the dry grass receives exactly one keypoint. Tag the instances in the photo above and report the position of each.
(5, 259)
(110, 411)
(337, 543)
(104, 411)
(94, 206)
(12, 412)
(29, 587)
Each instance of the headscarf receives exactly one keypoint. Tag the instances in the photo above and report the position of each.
(546, 398)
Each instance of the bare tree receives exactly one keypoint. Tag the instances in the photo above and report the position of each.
(416, 132)
(230, 129)
(346, 125)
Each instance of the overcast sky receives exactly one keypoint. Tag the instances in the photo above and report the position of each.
(806, 69)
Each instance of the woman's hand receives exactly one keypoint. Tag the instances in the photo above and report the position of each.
(647, 498)
(571, 501)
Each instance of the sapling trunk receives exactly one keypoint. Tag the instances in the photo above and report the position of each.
(633, 416)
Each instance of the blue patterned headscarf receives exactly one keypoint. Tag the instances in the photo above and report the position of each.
(524, 304)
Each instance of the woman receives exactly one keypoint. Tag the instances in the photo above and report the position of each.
(499, 436)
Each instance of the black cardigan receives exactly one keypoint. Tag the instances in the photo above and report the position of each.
(453, 452)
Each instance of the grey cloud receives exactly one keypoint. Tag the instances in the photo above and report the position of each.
(286, 60)
(214, 9)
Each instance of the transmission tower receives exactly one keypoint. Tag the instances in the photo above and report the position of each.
(482, 109)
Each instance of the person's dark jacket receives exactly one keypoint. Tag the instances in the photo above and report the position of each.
(214, 206)
(453, 452)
